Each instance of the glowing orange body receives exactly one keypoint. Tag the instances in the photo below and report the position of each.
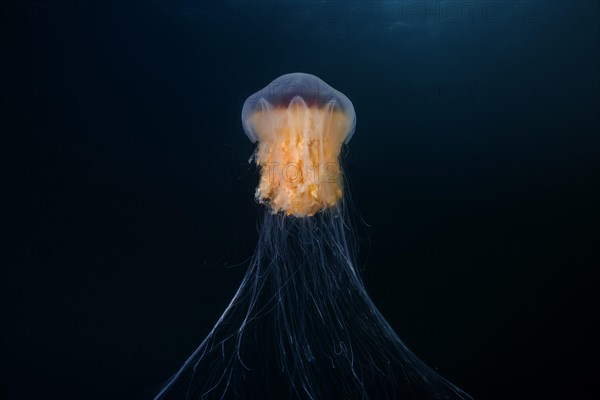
(298, 153)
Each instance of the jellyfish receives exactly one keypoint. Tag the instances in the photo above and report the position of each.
(301, 325)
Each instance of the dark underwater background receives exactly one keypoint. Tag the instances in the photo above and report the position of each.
(129, 212)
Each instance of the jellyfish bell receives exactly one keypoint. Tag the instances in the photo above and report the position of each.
(282, 91)
(300, 124)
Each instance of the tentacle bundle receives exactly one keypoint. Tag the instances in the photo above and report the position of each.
(302, 326)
